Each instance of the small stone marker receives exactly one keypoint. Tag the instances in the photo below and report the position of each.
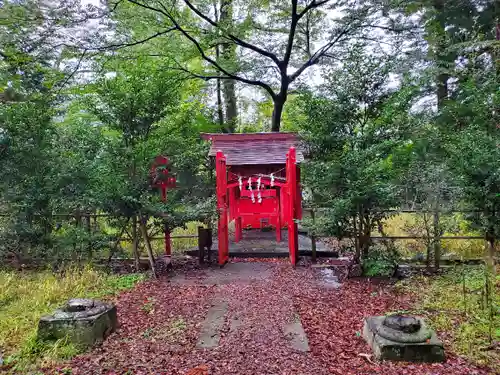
(83, 321)
(402, 338)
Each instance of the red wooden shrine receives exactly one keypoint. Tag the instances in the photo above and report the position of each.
(161, 178)
(257, 185)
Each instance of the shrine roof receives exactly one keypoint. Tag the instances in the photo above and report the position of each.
(254, 148)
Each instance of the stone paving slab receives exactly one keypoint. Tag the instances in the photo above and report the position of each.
(239, 272)
(294, 332)
(259, 241)
(212, 326)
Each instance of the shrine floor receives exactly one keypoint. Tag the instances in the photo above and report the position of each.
(255, 318)
(265, 242)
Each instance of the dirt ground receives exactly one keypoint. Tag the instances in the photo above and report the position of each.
(250, 318)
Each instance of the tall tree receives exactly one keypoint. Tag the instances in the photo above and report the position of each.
(229, 54)
(352, 132)
(275, 42)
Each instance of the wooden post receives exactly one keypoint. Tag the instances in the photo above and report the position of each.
(135, 244)
(291, 177)
(313, 239)
(145, 236)
(221, 188)
(201, 245)
(437, 238)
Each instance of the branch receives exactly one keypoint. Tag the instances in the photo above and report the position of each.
(232, 37)
(197, 75)
(318, 55)
(314, 4)
(202, 53)
(224, 71)
(123, 45)
(70, 76)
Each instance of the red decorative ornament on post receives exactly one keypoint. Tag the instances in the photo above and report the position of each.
(161, 178)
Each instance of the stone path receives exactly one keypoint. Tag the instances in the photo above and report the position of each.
(236, 316)
(232, 273)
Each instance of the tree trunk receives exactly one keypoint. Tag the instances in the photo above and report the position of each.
(135, 244)
(439, 51)
(229, 55)
(490, 280)
(437, 238)
(365, 246)
(88, 224)
(357, 255)
(231, 105)
(279, 104)
(147, 243)
(220, 113)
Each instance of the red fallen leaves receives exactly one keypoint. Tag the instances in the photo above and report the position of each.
(252, 338)
(198, 370)
(333, 321)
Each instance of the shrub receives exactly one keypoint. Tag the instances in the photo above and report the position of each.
(380, 261)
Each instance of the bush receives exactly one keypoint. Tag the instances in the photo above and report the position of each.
(380, 261)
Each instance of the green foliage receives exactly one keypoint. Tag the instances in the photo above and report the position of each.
(380, 261)
(351, 134)
(89, 148)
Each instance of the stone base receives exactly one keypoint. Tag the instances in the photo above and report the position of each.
(82, 331)
(428, 351)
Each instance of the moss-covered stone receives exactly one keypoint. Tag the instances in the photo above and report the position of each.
(82, 322)
(420, 346)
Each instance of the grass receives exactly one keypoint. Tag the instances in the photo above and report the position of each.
(26, 296)
(453, 305)
(411, 224)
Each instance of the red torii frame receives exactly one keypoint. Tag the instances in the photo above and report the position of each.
(292, 211)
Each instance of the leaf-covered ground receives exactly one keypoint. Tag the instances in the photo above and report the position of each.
(161, 323)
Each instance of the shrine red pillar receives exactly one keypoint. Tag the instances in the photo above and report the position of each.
(278, 218)
(221, 189)
(291, 181)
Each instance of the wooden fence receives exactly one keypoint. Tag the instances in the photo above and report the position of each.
(85, 220)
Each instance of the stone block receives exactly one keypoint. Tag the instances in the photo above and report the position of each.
(420, 346)
(83, 322)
